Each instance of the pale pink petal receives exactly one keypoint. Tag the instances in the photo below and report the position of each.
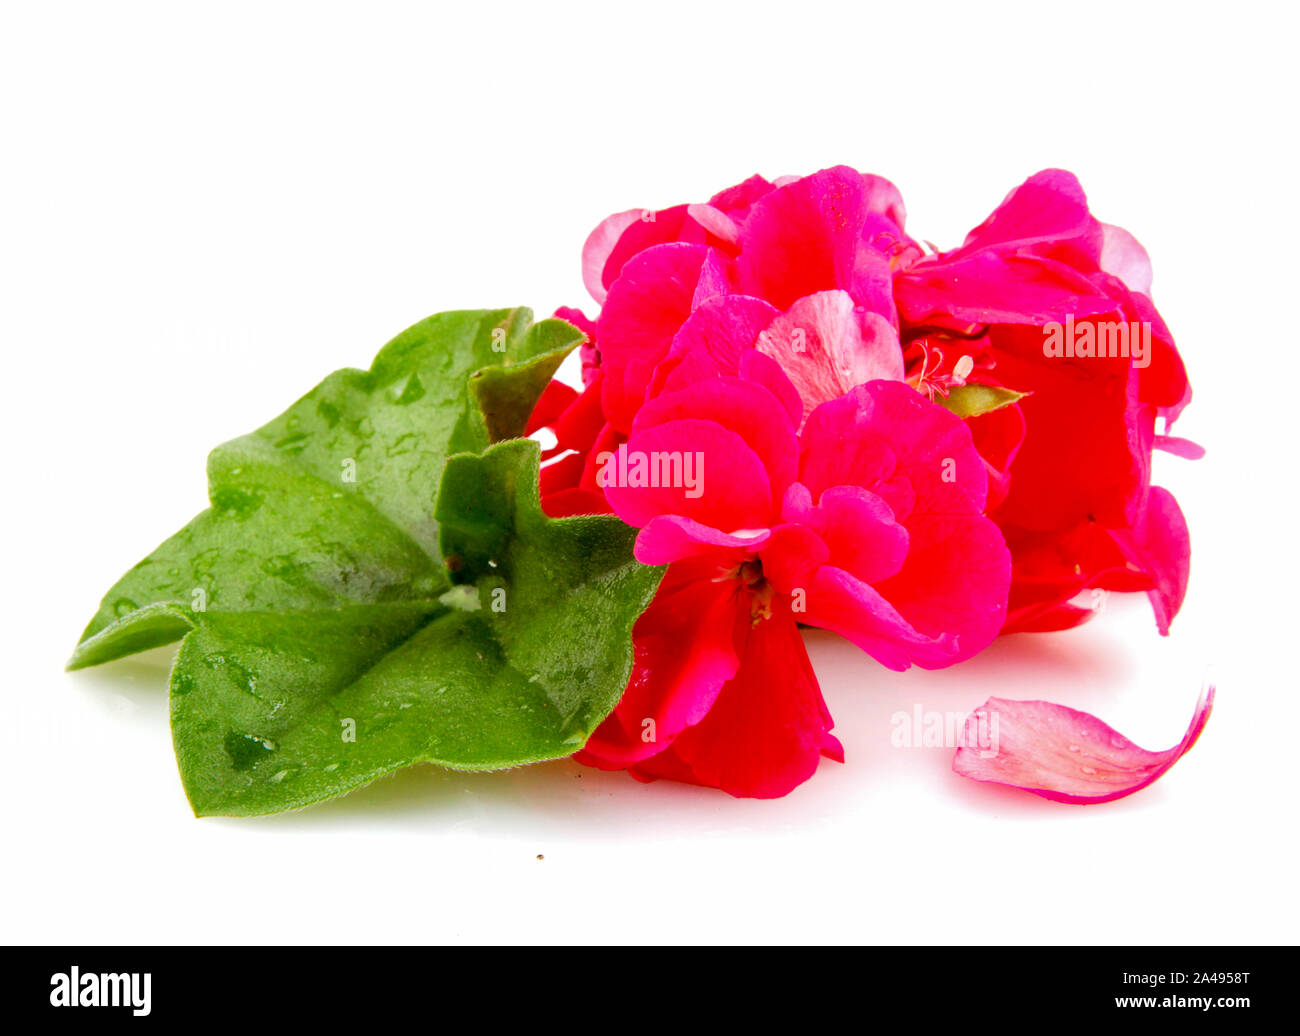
(716, 222)
(826, 345)
(1123, 256)
(1063, 754)
(717, 277)
(600, 242)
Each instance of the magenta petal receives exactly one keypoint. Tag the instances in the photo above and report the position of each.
(858, 528)
(1048, 208)
(768, 728)
(840, 602)
(1184, 448)
(1160, 546)
(689, 467)
(995, 288)
(646, 306)
(791, 556)
(737, 201)
(1063, 754)
(742, 407)
(805, 236)
(765, 371)
(712, 341)
(670, 538)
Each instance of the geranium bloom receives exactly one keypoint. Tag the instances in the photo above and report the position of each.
(790, 336)
(868, 523)
(1074, 496)
(1069, 463)
(800, 268)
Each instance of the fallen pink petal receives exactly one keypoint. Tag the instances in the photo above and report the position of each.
(1063, 754)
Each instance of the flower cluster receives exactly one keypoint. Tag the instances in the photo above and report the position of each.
(814, 419)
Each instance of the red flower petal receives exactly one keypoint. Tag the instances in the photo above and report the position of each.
(1063, 754)
(768, 728)
(686, 649)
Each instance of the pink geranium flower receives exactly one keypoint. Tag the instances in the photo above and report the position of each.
(1074, 499)
(868, 523)
(789, 336)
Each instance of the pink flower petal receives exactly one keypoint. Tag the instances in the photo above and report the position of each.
(1063, 754)
(728, 487)
(827, 345)
(600, 243)
(989, 287)
(1047, 209)
(765, 371)
(1184, 448)
(955, 579)
(887, 428)
(1160, 547)
(791, 556)
(840, 602)
(806, 236)
(716, 222)
(651, 227)
(737, 201)
(670, 538)
(1123, 256)
(712, 341)
(747, 409)
(651, 299)
(717, 277)
(857, 527)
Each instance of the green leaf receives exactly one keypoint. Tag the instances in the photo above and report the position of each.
(517, 663)
(330, 504)
(973, 400)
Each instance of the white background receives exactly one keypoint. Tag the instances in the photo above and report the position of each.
(206, 208)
